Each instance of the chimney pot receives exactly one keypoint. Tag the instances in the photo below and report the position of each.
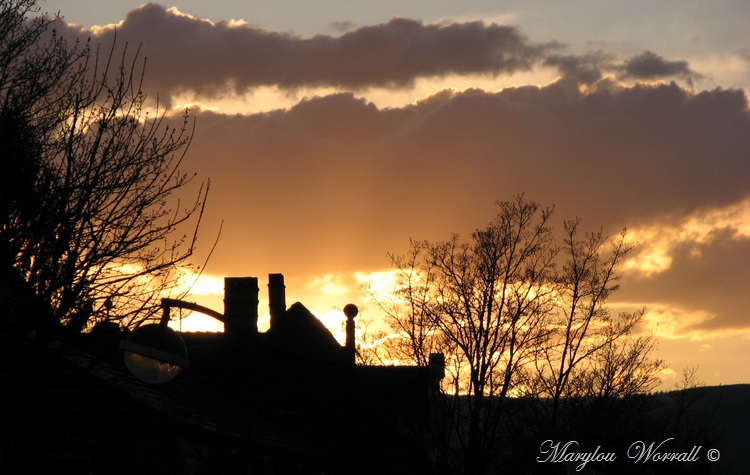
(241, 304)
(276, 298)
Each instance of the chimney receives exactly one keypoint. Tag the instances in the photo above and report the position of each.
(241, 305)
(276, 298)
(436, 363)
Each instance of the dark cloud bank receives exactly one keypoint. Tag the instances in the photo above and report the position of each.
(186, 53)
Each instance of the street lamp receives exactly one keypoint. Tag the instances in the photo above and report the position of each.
(155, 353)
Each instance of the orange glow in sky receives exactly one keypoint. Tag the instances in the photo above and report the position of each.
(332, 137)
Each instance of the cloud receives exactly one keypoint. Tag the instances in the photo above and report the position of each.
(659, 241)
(702, 286)
(209, 59)
(649, 66)
(342, 26)
(586, 69)
(188, 53)
(593, 66)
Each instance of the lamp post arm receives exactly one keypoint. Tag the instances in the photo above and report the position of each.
(167, 303)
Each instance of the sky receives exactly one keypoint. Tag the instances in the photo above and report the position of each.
(333, 132)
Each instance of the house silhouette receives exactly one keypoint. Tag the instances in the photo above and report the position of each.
(288, 400)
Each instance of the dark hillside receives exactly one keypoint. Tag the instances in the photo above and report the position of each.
(732, 425)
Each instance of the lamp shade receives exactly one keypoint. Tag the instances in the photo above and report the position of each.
(155, 353)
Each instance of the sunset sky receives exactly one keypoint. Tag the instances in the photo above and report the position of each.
(333, 132)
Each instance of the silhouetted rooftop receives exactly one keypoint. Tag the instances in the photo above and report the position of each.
(290, 397)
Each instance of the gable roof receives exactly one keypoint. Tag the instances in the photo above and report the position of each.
(300, 332)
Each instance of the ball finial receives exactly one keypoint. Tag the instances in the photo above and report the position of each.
(351, 311)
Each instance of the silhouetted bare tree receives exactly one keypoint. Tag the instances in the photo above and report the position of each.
(91, 180)
(581, 324)
(515, 314)
(482, 304)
